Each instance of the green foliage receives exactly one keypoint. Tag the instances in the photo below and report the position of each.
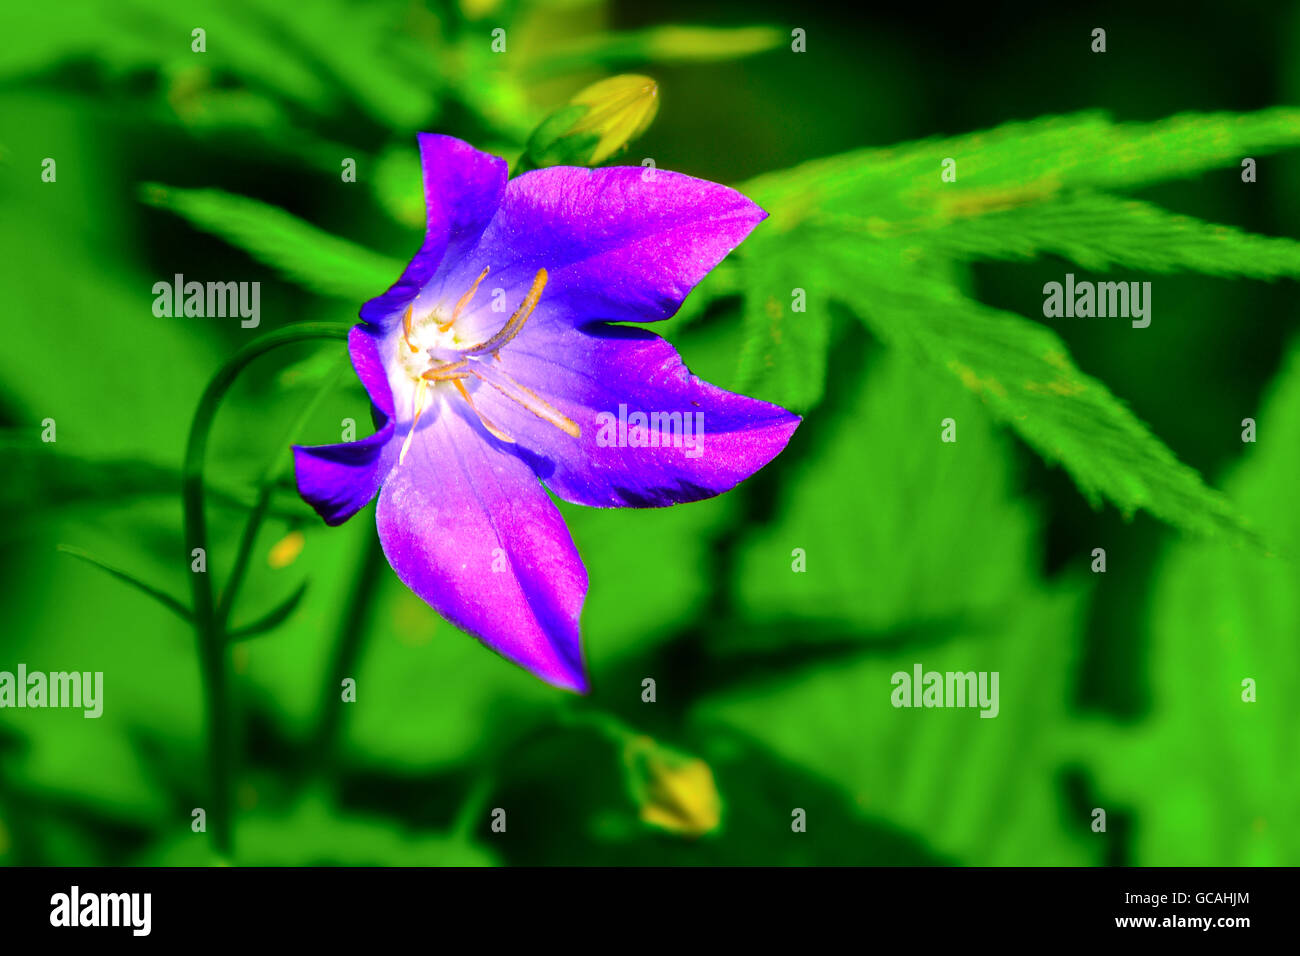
(981, 791)
(299, 251)
(969, 484)
(166, 600)
(314, 831)
(1100, 232)
(956, 581)
(784, 353)
(1212, 775)
(272, 619)
(137, 35)
(961, 556)
(881, 231)
(1023, 374)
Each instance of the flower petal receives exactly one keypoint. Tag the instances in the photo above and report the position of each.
(469, 529)
(363, 349)
(462, 190)
(621, 243)
(587, 373)
(339, 480)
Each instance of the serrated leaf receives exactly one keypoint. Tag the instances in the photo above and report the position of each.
(1022, 371)
(1016, 164)
(880, 231)
(1102, 232)
(787, 326)
(1210, 776)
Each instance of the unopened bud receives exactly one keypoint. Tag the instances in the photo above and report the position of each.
(597, 122)
(674, 792)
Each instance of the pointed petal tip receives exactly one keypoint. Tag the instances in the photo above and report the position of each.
(575, 682)
(339, 480)
(328, 512)
(560, 664)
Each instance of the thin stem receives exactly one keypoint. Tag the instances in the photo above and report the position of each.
(472, 809)
(265, 491)
(213, 649)
(347, 651)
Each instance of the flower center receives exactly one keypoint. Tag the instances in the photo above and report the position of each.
(433, 354)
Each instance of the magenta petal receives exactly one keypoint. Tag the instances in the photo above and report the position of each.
(462, 190)
(603, 378)
(339, 480)
(363, 349)
(468, 528)
(623, 243)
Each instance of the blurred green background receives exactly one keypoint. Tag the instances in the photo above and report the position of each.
(1118, 691)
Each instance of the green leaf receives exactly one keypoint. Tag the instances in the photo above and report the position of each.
(1016, 164)
(881, 231)
(1022, 371)
(166, 600)
(368, 51)
(134, 36)
(397, 186)
(299, 251)
(1102, 232)
(1211, 777)
(783, 359)
(619, 618)
(975, 790)
(846, 510)
(723, 282)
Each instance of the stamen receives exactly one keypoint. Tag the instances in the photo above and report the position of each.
(420, 392)
(516, 321)
(445, 373)
(526, 397)
(492, 429)
(406, 328)
(463, 301)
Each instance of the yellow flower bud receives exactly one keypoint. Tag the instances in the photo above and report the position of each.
(619, 109)
(674, 792)
(596, 123)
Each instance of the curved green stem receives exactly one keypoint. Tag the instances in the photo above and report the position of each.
(265, 490)
(214, 649)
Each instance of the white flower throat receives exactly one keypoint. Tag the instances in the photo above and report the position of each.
(431, 352)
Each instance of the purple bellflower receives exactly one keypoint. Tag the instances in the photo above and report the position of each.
(493, 367)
